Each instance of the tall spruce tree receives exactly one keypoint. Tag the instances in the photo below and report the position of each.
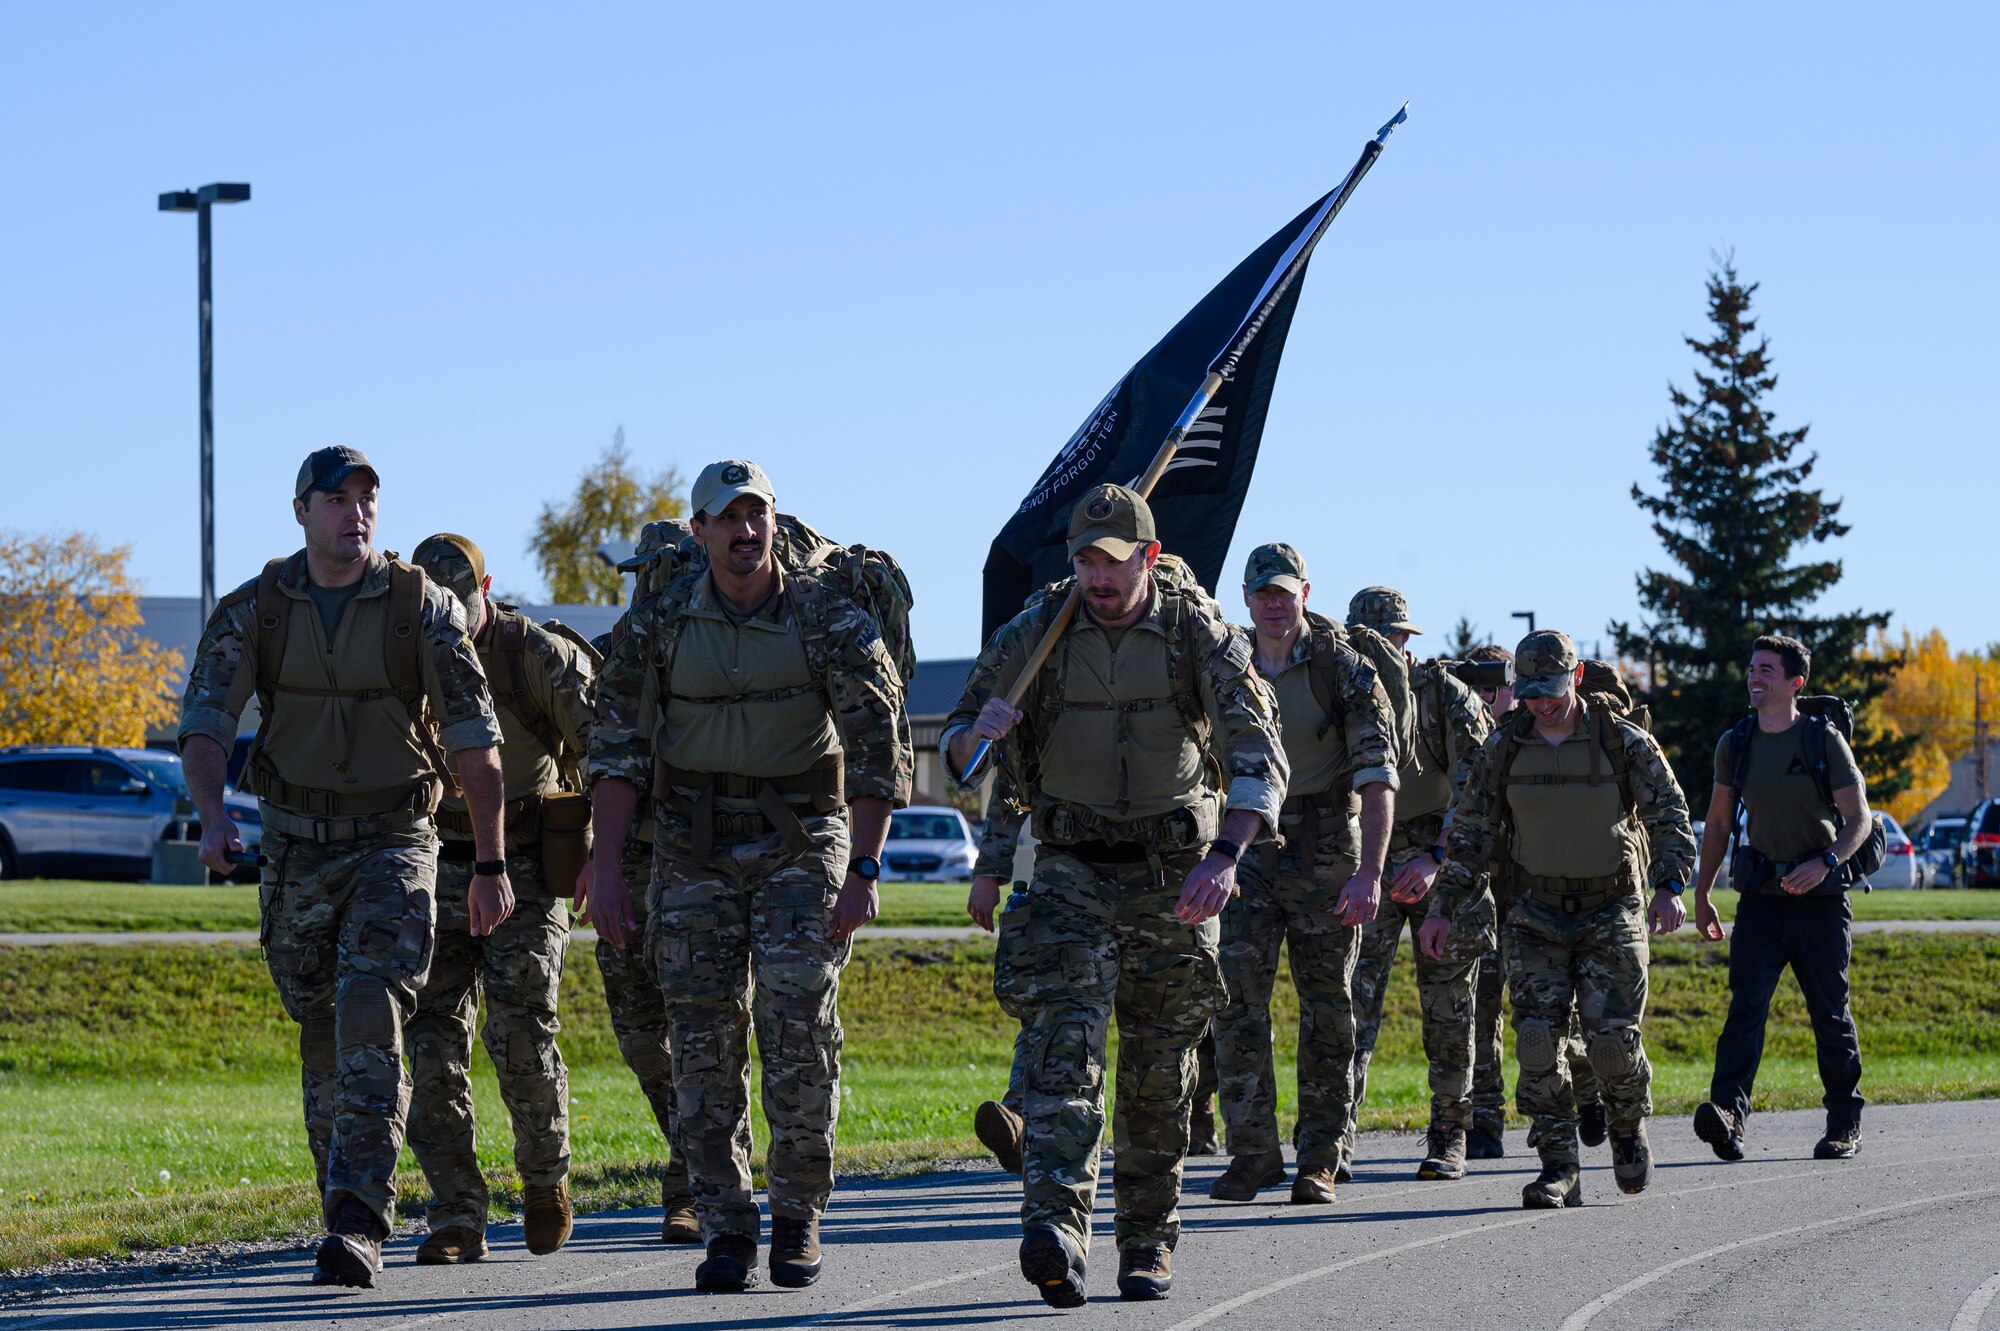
(1733, 512)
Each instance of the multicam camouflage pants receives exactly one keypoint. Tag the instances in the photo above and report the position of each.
(519, 969)
(347, 929)
(1205, 1077)
(1094, 941)
(1489, 1055)
(1293, 907)
(754, 909)
(1595, 960)
(1444, 993)
(639, 1016)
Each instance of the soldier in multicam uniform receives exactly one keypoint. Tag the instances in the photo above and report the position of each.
(1451, 724)
(1145, 695)
(638, 1012)
(1585, 799)
(353, 657)
(1313, 894)
(544, 692)
(1486, 1139)
(761, 711)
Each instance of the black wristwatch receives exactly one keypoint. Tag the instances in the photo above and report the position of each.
(1832, 860)
(489, 868)
(867, 866)
(1227, 849)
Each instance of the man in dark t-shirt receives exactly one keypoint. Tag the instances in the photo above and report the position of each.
(1791, 873)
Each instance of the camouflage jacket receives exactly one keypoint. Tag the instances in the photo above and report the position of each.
(223, 676)
(864, 696)
(1479, 818)
(1452, 722)
(1241, 711)
(1006, 812)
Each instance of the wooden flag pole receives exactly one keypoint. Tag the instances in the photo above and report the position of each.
(1067, 614)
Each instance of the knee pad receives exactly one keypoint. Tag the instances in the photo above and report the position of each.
(1615, 1051)
(317, 1049)
(365, 1014)
(1535, 1045)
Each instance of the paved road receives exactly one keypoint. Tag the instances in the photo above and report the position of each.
(1907, 1235)
(907, 932)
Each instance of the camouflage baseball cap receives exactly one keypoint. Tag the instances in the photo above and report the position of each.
(721, 482)
(455, 564)
(327, 468)
(1112, 518)
(1382, 609)
(1544, 664)
(1275, 565)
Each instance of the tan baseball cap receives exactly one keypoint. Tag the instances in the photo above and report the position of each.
(1275, 565)
(1112, 518)
(721, 482)
(454, 563)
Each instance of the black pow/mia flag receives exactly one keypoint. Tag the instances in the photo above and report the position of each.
(1238, 330)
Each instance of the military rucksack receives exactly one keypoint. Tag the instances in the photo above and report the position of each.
(871, 578)
(1819, 711)
(509, 682)
(1392, 668)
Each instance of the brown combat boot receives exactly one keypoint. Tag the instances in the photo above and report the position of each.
(1445, 1152)
(678, 1222)
(1246, 1176)
(450, 1246)
(351, 1253)
(1145, 1273)
(795, 1258)
(999, 1130)
(1314, 1186)
(545, 1217)
(1555, 1187)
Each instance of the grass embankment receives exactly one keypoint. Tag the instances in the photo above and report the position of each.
(61, 906)
(119, 1062)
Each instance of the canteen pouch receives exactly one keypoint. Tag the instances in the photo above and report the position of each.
(565, 839)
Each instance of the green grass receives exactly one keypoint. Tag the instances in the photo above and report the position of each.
(1930, 904)
(119, 1062)
(61, 906)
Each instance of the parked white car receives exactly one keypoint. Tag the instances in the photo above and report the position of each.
(928, 844)
(1902, 867)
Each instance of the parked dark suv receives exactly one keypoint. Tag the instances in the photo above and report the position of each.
(1979, 853)
(96, 812)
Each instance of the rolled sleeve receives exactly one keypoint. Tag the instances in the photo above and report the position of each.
(475, 732)
(1377, 776)
(1258, 796)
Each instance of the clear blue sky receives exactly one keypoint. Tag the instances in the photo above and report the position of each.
(897, 255)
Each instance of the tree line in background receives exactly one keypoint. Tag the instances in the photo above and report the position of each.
(1735, 513)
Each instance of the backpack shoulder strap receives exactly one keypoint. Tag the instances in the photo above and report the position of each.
(1814, 740)
(1178, 620)
(509, 679)
(404, 647)
(274, 614)
(1611, 739)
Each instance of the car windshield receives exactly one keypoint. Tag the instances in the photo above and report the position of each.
(164, 772)
(1943, 836)
(924, 827)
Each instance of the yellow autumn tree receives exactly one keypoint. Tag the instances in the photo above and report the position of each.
(74, 668)
(613, 500)
(1931, 697)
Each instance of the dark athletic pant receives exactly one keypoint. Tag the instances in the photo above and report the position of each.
(1811, 935)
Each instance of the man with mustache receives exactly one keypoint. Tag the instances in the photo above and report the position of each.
(761, 710)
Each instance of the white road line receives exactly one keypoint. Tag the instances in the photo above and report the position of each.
(1580, 1319)
(1208, 1315)
(1975, 1307)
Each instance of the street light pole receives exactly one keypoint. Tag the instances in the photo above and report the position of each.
(1528, 615)
(200, 202)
